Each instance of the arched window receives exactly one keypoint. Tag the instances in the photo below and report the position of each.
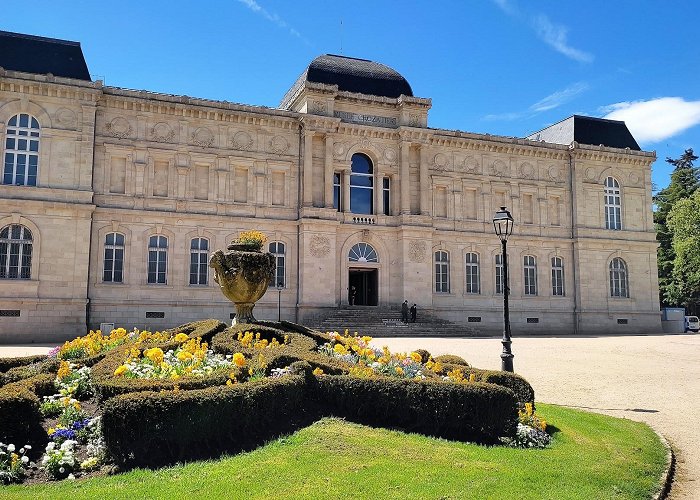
(113, 269)
(472, 273)
(15, 252)
(361, 185)
(362, 252)
(157, 259)
(530, 275)
(442, 272)
(557, 276)
(613, 218)
(619, 286)
(21, 159)
(277, 249)
(199, 260)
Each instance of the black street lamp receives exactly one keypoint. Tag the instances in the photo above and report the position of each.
(280, 286)
(503, 225)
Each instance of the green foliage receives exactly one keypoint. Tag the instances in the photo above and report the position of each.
(451, 359)
(19, 409)
(7, 363)
(25, 371)
(684, 223)
(685, 180)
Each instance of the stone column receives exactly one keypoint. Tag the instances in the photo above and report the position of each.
(425, 186)
(346, 190)
(308, 189)
(404, 175)
(378, 192)
(328, 175)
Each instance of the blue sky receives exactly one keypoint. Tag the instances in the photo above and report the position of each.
(506, 67)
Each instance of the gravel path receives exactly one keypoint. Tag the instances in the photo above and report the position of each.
(653, 379)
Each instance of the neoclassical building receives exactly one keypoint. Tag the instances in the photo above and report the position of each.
(112, 200)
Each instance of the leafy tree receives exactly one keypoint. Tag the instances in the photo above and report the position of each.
(685, 180)
(684, 224)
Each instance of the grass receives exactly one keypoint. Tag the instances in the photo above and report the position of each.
(593, 456)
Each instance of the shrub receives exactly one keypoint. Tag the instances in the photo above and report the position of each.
(451, 359)
(154, 429)
(7, 363)
(467, 412)
(19, 409)
(21, 372)
(206, 329)
(424, 355)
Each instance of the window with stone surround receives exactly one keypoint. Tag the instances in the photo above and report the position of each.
(21, 158)
(113, 268)
(557, 276)
(472, 273)
(337, 192)
(619, 284)
(530, 275)
(277, 249)
(158, 260)
(613, 219)
(15, 252)
(499, 273)
(199, 261)
(442, 272)
(386, 192)
(361, 185)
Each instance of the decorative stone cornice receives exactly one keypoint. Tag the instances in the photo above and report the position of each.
(49, 86)
(609, 155)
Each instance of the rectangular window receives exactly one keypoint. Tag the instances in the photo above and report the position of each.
(157, 260)
(472, 273)
(557, 277)
(337, 192)
(277, 249)
(474, 319)
(386, 193)
(533, 320)
(199, 260)
(499, 274)
(113, 269)
(442, 272)
(155, 314)
(530, 275)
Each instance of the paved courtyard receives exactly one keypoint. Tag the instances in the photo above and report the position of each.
(653, 379)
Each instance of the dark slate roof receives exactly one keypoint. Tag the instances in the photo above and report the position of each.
(588, 130)
(36, 54)
(351, 75)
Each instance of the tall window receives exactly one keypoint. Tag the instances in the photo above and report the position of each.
(157, 259)
(499, 273)
(557, 276)
(337, 192)
(277, 249)
(21, 151)
(472, 273)
(619, 286)
(613, 219)
(113, 271)
(442, 272)
(15, 252)
(530, 272)
(386, 193)
(199, 259)
(361, 185)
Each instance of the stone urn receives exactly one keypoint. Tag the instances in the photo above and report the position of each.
(243, 273)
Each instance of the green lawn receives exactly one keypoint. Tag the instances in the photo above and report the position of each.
(593, 457)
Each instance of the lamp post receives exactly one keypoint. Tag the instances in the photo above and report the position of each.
(280, 286)
(503, 225)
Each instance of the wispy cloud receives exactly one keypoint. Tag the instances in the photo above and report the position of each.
(656, 119)
(553, 34)
(272, 17)
(552, 101)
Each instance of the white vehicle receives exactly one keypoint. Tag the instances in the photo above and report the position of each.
(692, 324)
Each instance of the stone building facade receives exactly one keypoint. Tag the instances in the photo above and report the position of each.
(129, 192)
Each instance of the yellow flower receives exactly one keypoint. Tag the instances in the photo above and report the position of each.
(51, 430)
(340, 349)
(366, 339)
(399, 370)
(528, 409)
(472, 377)
(317, 372)
(181, 337)
(120, 370)
(416, 357)
(63, 370)
(229, 382)
(184, 356)
(155, 354)
(76, 405)
(239, 359)
(175, 376)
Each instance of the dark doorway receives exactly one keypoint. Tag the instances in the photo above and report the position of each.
(363, 285)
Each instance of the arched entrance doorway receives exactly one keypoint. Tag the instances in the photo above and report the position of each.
(363, 276)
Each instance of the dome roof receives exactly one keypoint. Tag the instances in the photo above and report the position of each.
(353, 75)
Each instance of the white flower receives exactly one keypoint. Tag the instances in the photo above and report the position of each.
(25, 459)
(27, 447)
(10, 447)
(70, 476)
(62, 470)
(50, 446)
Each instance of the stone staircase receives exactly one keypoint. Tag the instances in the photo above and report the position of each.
(378, 321)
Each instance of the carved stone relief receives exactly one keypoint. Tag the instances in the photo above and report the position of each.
(319, 246)
(65, 118)
(527, 171)
(339, 150)
(279, 144)
(162, 132)
(242, 141)
(414, 121)
(441, 162)
(555, 173)
(470, 165)
(318, 107)
(499, 168)
(591, 174)
(416, 251)
(203, 137)
(390, 155)
(119, 127)
(635, 179)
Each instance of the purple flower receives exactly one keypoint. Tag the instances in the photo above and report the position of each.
(63, 434)
(80, 424)
(53, 352)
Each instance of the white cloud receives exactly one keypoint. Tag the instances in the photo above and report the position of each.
(555, 36)
(505, 6)
(559, 97)
(656, 119)
(273, 18)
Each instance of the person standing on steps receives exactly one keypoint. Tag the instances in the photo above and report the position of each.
(414, 310)
(353, 293)
(404, 311)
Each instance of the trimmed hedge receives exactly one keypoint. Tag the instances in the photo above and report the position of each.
(206, 329)
(7, 363)
(21, 372)
(20, 420)
(153, 429)
(451, 359)
(524, 393)
(466, 412)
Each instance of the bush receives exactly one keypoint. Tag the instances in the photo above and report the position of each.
(424, 355)
(21, 372)
(206, 329)
(467, 412)
(451, 359)
(152, 429)
(19, 409)
(7, 363)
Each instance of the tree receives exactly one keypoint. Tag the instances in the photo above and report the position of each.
(684, 223)
(685, 180)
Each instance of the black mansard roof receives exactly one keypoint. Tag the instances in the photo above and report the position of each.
(588, 130)
(36, 54)
(352, 75)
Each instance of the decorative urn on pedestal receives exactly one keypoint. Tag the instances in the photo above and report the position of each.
(243, 273)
